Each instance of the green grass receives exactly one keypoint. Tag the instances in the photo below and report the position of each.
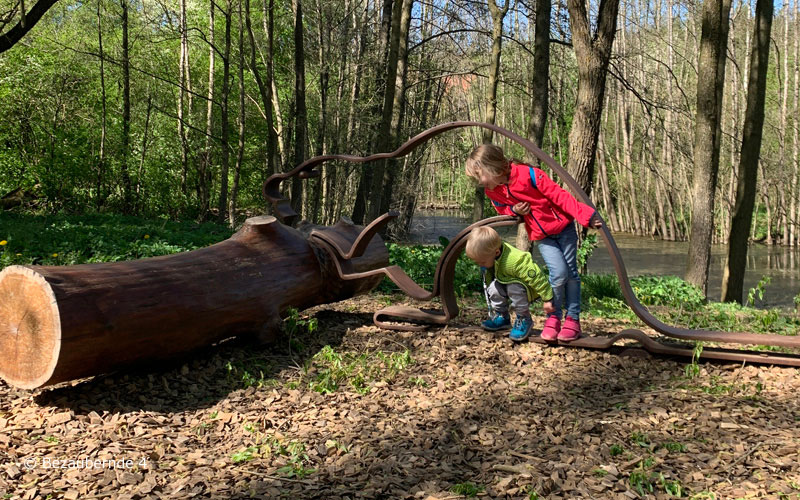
(419, 262)
(467, 489)
(72, 239)
(329, 371)
(676, 302)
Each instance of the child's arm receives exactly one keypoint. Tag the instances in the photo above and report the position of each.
(502, 208)
(540, 283)
(563, 200)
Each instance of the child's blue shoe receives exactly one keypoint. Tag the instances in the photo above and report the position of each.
(498, 322)
(521, 330)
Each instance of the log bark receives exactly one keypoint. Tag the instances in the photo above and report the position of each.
(60, 323)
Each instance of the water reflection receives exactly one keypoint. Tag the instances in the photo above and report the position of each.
(644, 255)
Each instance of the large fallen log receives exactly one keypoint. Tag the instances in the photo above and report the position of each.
(60, 323)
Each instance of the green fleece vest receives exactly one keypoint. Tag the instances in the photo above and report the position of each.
(516, 266)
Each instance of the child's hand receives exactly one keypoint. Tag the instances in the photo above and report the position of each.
(595, 222)
(548, 307)
(522, 208)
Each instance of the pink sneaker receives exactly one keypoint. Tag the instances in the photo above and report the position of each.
(551, 328)
(570, 331)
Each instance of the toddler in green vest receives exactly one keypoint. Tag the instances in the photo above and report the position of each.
(510, 275)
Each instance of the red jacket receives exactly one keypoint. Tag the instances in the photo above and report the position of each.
(552, 208)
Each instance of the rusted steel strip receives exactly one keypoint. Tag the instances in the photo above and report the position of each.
(446, 266)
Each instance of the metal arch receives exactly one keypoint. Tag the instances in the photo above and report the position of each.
(284, 212)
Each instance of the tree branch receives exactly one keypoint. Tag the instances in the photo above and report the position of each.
(28, 21)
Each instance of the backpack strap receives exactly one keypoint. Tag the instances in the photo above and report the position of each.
(533, 177)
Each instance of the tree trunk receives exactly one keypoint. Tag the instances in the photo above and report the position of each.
(398, 106)
(265, 90)
(793, 192)
(541, 73)
(498, 15)
(384, 140)
(539, 92)
(710, 81)
(60, 323)
(225, 136)
(204, 170)
(592, 51)
(127, 205)
(240, 151)
(101, 162)
(300, 115)
(182, 84)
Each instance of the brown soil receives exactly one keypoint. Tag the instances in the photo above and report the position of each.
(472, 408)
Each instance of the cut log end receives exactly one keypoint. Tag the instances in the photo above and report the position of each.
(30, 328)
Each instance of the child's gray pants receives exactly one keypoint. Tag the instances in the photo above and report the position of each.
(500, 293)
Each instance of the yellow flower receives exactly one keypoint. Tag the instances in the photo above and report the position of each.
(55, 255)
(147, 236)
(3, 243)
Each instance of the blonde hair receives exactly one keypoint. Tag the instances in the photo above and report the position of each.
(482, 242)
(487, 158)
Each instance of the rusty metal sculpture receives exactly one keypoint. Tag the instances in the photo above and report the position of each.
(443, 281)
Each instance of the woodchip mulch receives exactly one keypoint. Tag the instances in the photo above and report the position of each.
(515, 421)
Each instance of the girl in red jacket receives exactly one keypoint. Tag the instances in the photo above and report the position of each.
(548, 212)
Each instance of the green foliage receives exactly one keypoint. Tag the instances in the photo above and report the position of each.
(692, 369)
(586, 249)
(650, 290)
(673, 446)
(667, 291)
(616, 449)
(245, 455)
(467, 489)
(296, 327)
(640, 439)
(600, 286)
(329, 370)
(68, 240)
(757, 291)
(419, 262)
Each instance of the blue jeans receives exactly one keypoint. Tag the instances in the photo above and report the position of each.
(560, 254)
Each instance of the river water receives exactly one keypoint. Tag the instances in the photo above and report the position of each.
(646, 256)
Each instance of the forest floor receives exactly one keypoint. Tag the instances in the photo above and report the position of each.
(441, 414)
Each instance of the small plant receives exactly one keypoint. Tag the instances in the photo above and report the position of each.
(672, 487)
(692, 370)
(330, 370)
(532, 493)
(598, 472)
(641, 481)
(245, 455)
(640, 438)
(616, 449)
(466, 489)
(673, 446)
(758, 290)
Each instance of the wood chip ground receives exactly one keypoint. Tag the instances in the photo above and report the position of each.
(515, 421)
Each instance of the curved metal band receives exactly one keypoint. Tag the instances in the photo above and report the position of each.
(284, 212)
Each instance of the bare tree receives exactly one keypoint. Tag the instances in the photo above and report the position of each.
(733, 277)
(592, 51)
(710, 82)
